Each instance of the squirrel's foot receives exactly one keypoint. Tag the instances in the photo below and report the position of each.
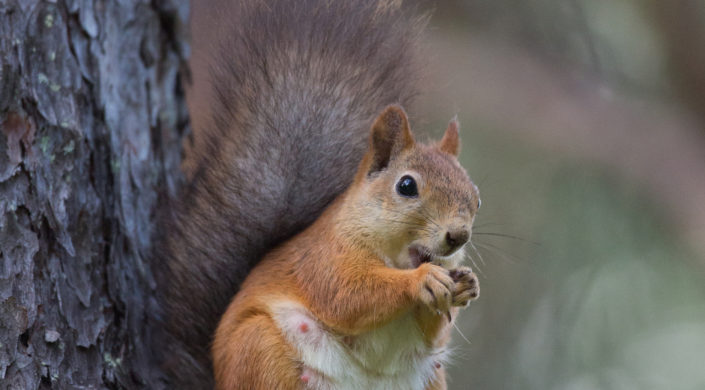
(466, 288)
(435, 288)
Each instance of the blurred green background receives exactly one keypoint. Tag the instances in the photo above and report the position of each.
(583, 128)
(583, 124)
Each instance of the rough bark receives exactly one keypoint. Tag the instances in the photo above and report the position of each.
(92, 117)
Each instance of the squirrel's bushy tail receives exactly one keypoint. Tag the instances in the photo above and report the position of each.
(296, 87)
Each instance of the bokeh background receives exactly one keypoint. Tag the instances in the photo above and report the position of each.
(583, 124)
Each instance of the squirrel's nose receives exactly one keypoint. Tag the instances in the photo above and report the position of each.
(457, 238)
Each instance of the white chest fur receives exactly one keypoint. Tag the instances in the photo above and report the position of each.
(391, 357)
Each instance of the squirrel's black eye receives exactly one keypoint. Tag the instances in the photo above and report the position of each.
(407, 187)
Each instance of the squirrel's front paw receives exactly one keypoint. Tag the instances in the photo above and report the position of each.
(466, 287)
(435, 288)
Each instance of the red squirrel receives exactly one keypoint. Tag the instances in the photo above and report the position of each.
(294, 88)
(365, 297)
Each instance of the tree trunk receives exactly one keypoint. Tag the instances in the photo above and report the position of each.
(92, 115)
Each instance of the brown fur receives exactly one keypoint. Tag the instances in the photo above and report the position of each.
(295, 87)
(341, 268)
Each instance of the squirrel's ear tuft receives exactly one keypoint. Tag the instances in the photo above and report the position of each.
(451, 139)
(390, 136)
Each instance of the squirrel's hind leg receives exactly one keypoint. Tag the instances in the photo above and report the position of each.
(255, 355)
(439, 380)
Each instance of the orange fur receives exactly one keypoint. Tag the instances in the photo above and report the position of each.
(346, 269)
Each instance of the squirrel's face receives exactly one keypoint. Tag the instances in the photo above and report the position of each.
(414, 201)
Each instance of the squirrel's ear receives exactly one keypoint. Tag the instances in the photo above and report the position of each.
(390, 136)
(451, 140)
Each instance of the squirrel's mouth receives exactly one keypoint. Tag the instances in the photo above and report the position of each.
(420, 254)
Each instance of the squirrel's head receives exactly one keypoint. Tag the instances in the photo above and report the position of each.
(412, 201)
